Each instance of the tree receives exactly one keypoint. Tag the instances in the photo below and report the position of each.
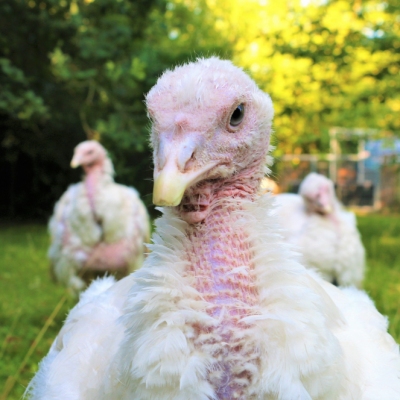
(86, 68)
(36, 116)
(325, 63)
(77, 69)
(57, 58)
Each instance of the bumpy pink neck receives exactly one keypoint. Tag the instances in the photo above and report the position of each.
(92, 179)
(220, 255)
(220, 259)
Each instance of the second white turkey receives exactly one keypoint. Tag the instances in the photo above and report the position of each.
(98, 226)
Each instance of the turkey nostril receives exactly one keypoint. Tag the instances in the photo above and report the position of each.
(190, 162)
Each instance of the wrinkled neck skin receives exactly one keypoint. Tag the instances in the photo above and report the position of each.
(218, 248)
(199, 202)
(94, 176)
(220, 260)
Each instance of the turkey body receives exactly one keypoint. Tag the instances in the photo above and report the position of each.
(221, 309)
(96, 229)
(329, 244)
(156, 334)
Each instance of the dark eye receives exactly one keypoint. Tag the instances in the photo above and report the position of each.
(237, 115)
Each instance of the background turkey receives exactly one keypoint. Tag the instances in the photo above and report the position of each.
(98, 226)
(323, 231)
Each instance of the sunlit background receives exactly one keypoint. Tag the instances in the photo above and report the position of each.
(77, 69)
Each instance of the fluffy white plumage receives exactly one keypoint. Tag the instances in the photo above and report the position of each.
(97, 225)
(325, 233)
(178, 329)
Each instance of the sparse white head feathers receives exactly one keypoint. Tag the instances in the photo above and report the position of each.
(90, 155)
(318, 193)
(88, 152)
(210, 121)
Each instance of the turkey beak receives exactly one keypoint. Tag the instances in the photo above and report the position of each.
(172, 180)
(327, 209)
(75, 162)
(324, 202)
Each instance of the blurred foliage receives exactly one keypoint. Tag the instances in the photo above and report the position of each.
(76, 69)
(82, 69)
(16, 98)
(325, 63)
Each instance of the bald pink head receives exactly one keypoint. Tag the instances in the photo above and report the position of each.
(318, 193)
(88, 154)
(210, 122)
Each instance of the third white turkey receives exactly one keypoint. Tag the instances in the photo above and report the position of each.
(325, 234)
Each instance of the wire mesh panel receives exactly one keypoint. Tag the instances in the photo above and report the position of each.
(363, 163)
(390, 183)
(350, 189)
(290, 173)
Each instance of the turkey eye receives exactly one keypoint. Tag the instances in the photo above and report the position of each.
(237, 115)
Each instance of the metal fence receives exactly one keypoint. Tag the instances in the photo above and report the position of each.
(369, 177)
(291, 170)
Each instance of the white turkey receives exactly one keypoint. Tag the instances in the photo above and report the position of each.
(325, 233)
(98, 226)
(220, 308)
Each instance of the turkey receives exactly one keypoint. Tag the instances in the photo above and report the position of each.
(98, 226)
(221, 309)
(325, 233)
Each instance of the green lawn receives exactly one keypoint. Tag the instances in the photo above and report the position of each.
(27, 299)
(28, 296)
(381, 238)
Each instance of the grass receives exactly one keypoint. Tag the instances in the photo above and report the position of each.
(381, 238)
(28, 297)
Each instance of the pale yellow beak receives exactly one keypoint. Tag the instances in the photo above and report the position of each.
(328, 209)
(75, 162)
(170, 184)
